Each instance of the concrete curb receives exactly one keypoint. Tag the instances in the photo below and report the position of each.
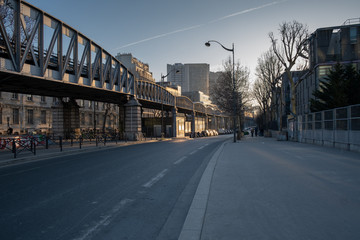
(193, 224)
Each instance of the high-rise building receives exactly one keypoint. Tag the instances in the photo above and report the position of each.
(191, 77)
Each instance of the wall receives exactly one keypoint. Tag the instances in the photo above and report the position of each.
(339, 128)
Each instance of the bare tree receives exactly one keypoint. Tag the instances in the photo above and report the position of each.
(107, 107)
(222, 91)
(291, 48)
(268, 72)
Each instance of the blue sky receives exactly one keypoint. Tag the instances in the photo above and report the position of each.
(159, 32)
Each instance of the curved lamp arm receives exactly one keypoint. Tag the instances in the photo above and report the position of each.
(162, 77)
(227, 49)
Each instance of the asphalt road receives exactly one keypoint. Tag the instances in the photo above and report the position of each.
(134, 192)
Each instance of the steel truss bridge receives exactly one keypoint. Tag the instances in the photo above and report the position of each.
(41, 55)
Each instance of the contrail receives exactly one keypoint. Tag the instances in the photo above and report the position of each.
(247, 11)
(200, 25)
(161, 35)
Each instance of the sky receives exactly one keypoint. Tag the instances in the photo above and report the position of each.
(161, 32)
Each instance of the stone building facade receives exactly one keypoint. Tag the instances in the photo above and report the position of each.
(32, 114)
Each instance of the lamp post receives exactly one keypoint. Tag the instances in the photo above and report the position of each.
(233, 80)
(162, 102)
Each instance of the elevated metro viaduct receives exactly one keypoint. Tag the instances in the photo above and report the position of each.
(42, 55)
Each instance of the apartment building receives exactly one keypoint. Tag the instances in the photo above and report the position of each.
(191, 77)
(32, 114)
(328, 46)
(139, 69)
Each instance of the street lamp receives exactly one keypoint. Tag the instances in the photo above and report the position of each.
(162, 101)
(233, 80)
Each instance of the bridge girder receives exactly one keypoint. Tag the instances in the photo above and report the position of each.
(41, 55)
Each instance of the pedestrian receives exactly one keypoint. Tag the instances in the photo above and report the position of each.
(10, 131)
(252, 132)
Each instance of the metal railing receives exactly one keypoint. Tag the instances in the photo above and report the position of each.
(21, 144)
(339, 127)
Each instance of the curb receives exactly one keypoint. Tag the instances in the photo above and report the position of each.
(193, 224)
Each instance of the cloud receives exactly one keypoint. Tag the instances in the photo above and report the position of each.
(200, 25)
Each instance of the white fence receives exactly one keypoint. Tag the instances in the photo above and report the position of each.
(338, 128)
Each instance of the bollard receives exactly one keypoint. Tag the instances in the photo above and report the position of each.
(14, 148)
(96, 141)
(46, 142)
(80, 141)
(35, 147)
(71, 140)
(60, 142)
(104, 140)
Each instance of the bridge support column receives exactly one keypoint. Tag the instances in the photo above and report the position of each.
(133, 120)
(216, 123)
(207, 125)
(66, 119)
(193, 122)
(174, 125)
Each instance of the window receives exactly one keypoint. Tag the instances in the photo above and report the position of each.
(353, 35)
(324, 71)
(43, 117)
(29, 97)
(15, 116)
(15, 96)
(97, 119)
(82, 118)
(43, 99)
(30, 116)
(90, 119)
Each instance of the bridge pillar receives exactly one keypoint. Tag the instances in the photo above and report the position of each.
(174, 125)
(216, 125)
(66, 119)
(193, 122)
(133, 120)
(207, 125)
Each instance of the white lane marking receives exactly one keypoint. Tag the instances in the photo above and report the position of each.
(193, 152)
(203, 146)
(105, 220)
(155, 179)
(180, 160)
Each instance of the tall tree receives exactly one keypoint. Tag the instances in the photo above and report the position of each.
(222, 91)
(291, 47)
(268, 72)
(352, 84)
(339, 89)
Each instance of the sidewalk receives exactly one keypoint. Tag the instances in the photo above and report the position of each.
(261, 188)
(212, 214)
